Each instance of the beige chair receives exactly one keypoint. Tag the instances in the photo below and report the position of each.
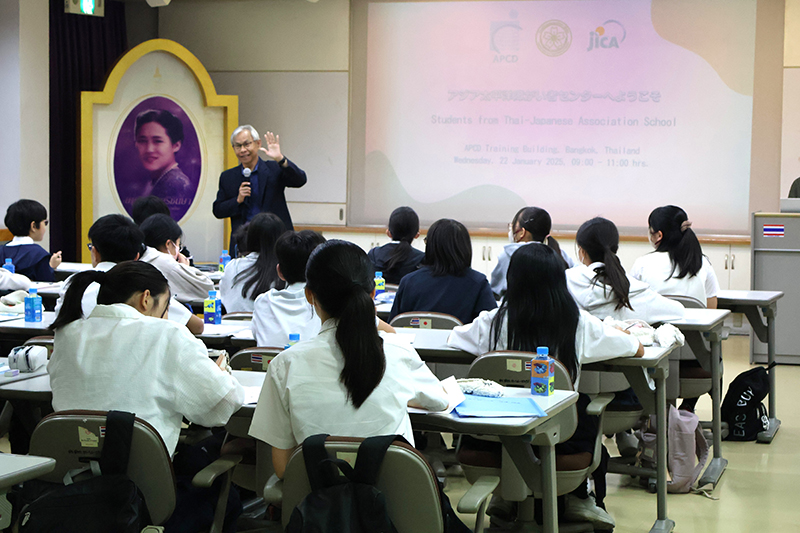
(495, 366)
(59, 435)
(405, 479)
(391, 287)
(256, 359)
(239, 315)
(691, 384)
(414, 319)
(42, 340)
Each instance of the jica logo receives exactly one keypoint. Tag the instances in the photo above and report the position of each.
(610, 35)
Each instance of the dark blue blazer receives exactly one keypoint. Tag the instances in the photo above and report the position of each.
(272, 180)
(462, 296)
(30, 260)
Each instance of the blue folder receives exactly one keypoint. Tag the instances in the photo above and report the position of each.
(481, 406)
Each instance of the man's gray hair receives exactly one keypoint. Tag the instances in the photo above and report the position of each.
(246, 127)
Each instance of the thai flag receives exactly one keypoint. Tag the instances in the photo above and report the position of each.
(527, 365)
(773, 230)
(255, 358)
(102, 431)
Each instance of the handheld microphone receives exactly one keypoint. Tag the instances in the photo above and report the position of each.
(246, 173)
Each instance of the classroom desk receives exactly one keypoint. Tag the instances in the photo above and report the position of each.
(19, 330)
(66, 269)
(748, 303)
(695, 324)
(19, 468)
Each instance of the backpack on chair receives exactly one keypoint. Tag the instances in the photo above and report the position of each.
(742, 407)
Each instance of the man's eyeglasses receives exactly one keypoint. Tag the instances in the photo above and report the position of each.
(90, 246)
(239, 146)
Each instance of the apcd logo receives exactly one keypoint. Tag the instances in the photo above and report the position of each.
(504, 39)
(610, 35)
(553, 38)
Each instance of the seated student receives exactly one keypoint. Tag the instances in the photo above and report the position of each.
(125, 357)
(538, 310)
(445, 283)
(398, 258)
(530, 225)
(347, 381)
(678, 267)
(114, 239)
(162, 235)
(27, 221)
(13, 282)
(247, 277)
(278, 313)
(600, 285)
(144, 206)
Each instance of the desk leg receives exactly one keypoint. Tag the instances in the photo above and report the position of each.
(521, 453)
(717, 465)
(767, 435)
(663, 524)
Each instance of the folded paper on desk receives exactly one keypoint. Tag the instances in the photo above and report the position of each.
(481, 406)
(251, 394)
(454, 397)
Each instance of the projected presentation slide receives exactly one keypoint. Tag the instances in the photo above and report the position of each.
(475, 109)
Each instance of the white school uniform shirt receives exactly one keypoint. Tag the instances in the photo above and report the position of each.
(278, 313)
(185, 282)
(120, 359)
(598, 299)
(303, 396)
(498, 278)
(655, 269)
(13, 282)
(594, 341)
(177, 313)
(231, 291)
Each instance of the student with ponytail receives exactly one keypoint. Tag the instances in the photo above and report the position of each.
(530, 225)
(247, 277)
(349, 380)
(600, 285)
(678, 266)
(538, 310)
(398, 258)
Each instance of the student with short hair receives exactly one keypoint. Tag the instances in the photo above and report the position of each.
(162, 235)
(114, 239)
(144, 206)
(27, 221)
(445, 282)
(124, 357)
(348, 380)
(538, 310)
(245, 278)
(280, 312)
(398, 258)
(529, 225)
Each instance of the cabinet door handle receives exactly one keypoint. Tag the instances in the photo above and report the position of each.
(483, 254)
(733, 259)
(726, 261)
(490, 253)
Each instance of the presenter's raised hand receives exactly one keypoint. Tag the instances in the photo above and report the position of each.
(273, 146)
(244, 191)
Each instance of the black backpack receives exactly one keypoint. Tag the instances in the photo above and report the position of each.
(742, 407)
(108, 501)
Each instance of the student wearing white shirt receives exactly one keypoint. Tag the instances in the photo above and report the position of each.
(279, 313)
(347, 381)
(114, 239)
(13, 282)
(530, 225)
(678, 267)
(247, 277)
(162, 235)
(524, 322)
(125, 357)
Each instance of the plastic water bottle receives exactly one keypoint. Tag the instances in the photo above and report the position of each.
(294, 338)
(33, 306)
(224, 259)
(212, 309)
(380, 284)
(8, 265)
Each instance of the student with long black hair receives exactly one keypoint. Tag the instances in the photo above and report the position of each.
(538, 310)
(163, 237)
(600, 285)
(398, 258)
(445, 283)
(247, 277)
(677, 266)
(124, 357)
(348, 380)
(530, 225)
